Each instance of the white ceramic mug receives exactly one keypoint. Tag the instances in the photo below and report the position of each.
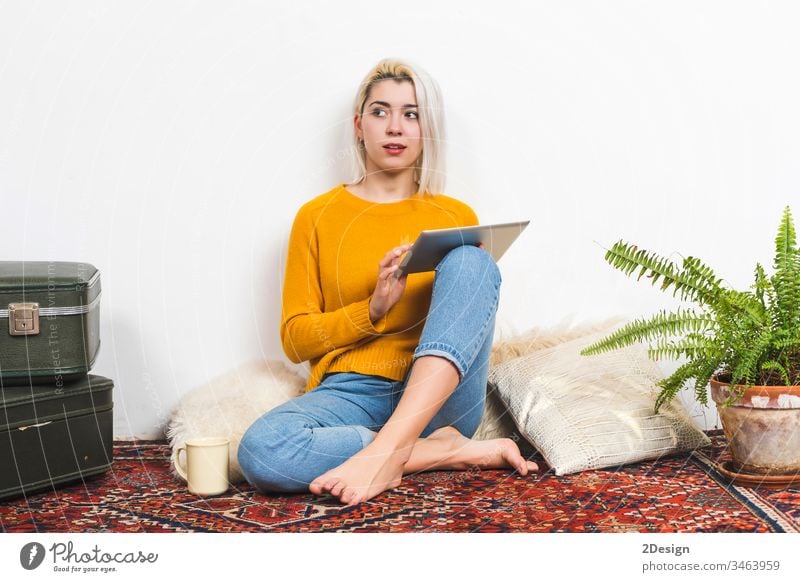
(206, 470)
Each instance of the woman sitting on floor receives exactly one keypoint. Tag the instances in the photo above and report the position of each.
(398, 365)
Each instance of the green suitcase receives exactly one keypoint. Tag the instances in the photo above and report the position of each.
(54, 435)
(49, 321)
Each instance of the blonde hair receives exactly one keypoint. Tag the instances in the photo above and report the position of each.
(429, 172)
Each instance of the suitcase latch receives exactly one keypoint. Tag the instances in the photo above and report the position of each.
(23, 318)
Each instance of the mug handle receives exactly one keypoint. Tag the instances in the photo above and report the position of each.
(181, 471)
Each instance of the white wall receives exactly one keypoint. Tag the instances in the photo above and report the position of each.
(170, 144)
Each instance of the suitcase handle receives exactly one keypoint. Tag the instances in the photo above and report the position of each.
(35, 425)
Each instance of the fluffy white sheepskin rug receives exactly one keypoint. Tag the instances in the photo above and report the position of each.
(227, 405)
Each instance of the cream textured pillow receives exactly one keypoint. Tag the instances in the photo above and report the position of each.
(590, 412)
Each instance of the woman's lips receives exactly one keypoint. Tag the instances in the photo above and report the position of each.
(394, 150)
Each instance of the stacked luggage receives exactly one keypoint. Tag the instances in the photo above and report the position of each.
(56, 419)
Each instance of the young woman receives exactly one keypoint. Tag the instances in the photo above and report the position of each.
(398, 364)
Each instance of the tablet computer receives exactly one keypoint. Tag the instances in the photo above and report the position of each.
(432, 245)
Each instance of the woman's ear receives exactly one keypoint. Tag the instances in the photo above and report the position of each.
(357, 126)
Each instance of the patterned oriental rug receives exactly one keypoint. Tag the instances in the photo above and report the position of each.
(677, 494)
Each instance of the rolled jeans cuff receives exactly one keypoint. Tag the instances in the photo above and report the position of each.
(367, 436)
(445, 351)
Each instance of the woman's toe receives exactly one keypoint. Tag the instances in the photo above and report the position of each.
(337, 488)
(347, 496)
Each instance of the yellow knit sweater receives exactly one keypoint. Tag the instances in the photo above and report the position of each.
(336, 242)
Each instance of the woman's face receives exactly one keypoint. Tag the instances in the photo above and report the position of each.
(390, 116)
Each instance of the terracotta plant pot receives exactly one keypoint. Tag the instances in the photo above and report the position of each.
(762, 428)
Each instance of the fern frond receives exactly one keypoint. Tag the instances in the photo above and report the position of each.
(761, 285)
(747, 366)
(693, 346)
(695, 281)
(765, 294)
(779, 368)
(786, 279)
(671, 385)
(705, 369)
(790, 342)
(747, 304)
(785, 244)
(662, 324)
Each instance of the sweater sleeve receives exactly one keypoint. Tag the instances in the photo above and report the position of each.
(306, 331)
(470, 218)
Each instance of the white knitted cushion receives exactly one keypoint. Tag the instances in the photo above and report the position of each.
(590, 412)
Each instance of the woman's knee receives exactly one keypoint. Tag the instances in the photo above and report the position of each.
(265, 456)
(471, 259)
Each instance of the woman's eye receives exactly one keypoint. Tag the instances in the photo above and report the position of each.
(381, 113)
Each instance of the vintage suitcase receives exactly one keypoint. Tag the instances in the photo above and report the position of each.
(49, 321)
(53, 435)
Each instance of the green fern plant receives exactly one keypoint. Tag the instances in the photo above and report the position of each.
(743, 337)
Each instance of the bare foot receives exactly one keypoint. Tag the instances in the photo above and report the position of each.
(488, 454)
(374, 469)
(378, 467)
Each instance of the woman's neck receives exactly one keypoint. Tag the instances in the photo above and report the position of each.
(383, 187)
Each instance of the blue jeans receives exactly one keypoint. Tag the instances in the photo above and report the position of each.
(296, 442)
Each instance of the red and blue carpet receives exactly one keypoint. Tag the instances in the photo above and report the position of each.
(677, 494)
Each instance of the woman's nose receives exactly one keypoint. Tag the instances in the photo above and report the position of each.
(394, 124)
